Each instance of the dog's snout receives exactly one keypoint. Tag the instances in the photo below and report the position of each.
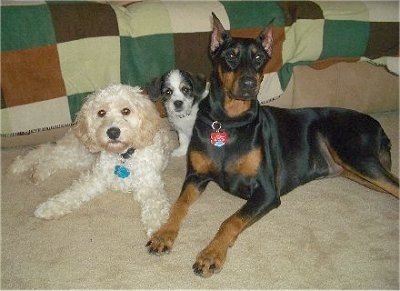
(178, 104)
(113, 132)
(248, 83)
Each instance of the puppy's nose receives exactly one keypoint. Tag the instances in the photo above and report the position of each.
(178, 104)
(248, 83)
(113, 132)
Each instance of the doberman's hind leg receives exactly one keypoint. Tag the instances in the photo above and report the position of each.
(381, 180)
(364, 155)
(375, 171)
(372, 172)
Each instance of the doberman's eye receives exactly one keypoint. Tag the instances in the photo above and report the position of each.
(258, 58)
(101, 113)
(125, 111)
(231, 56)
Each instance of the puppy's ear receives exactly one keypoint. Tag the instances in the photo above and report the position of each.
(154, 89)
(200, 86)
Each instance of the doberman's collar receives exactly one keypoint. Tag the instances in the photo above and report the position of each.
(231, 123)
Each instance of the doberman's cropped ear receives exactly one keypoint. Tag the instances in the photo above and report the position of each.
(266, 39)
(154, 89)
(219, 35)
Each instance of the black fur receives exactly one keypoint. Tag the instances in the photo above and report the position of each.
(269, 151)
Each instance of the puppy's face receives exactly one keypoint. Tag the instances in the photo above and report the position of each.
(179, 91)
(117, 118)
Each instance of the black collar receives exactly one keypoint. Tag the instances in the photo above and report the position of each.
(228, 123)
(126, 155)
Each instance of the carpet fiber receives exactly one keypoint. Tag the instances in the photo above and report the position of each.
(328, 234)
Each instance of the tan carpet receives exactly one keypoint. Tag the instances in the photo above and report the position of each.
(330, 233)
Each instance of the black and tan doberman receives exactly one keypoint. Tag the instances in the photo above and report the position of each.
(260, 153)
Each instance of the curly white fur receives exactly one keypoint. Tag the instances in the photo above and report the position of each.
(90, 148)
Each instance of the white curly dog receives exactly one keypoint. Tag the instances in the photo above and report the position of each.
(119, 143)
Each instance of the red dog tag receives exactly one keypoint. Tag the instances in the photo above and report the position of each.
(218, 138)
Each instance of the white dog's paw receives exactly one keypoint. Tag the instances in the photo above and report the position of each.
(155, 215)
(52, 209)
(38, 172)
(19, 166)
(179, 152)
(153, 227)
(38, 176)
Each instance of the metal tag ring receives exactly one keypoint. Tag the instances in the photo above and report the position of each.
(216, 125)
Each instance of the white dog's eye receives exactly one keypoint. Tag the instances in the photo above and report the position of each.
(185, 90)
(168, 92)
(101, 113)
(125, 111)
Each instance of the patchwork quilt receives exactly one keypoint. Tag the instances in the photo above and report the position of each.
(54, 53)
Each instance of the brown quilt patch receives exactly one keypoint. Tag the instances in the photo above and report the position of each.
(31, 75)
(323, 64)
(73, 21)
(383, 40)
(293, 10)
(191, 52)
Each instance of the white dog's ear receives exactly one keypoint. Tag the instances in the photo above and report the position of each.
(150, 122)
(81, 131)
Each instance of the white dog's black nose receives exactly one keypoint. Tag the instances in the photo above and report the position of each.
(113, 132)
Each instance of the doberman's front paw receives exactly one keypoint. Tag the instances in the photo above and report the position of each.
(161, 242)
(209, 261)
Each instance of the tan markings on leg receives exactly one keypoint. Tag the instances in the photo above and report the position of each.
(248, 164)
(212, 258)
(230, 229)
(328, 154)
(201, 163)
(374, 184)
(181, 206)
(162, 240)
(382, 185)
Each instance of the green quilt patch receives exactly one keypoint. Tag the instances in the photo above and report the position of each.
(26, 27)
(75, 103)
(143, 58)
(344, 38)
(262, 12)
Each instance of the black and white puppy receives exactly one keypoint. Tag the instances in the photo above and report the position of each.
(180, 92)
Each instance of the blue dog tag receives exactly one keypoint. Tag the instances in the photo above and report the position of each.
(121, 171)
